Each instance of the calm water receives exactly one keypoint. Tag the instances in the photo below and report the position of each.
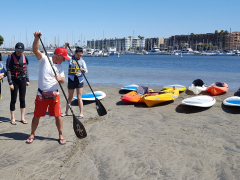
(156, 70)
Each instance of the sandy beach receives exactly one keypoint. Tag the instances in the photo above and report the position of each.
(133, 141)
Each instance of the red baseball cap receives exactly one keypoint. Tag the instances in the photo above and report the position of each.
(63, 52)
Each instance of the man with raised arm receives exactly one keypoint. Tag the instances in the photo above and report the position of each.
(47, 94)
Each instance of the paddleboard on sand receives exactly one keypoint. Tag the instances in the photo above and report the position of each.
(178, 86)
(232, 101)
(131, 87)
(200, 101)
(90, 96)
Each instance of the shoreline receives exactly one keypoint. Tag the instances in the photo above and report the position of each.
(7, 53)
(133, 141)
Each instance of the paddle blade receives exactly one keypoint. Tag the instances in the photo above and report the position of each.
(100, 108)
(79, 128)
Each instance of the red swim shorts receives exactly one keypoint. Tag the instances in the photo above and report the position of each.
(41, 105)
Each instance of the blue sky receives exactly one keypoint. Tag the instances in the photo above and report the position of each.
(75, 20)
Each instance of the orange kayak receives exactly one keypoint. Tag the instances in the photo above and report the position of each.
(133, 97)
(217, 88)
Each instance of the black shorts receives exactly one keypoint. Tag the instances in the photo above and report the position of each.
(74, 84)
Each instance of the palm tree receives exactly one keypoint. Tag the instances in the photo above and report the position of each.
(1, 40)
(141, 38)
(226, 32)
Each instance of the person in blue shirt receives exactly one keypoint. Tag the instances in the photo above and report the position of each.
(75, 78)
(3, 73)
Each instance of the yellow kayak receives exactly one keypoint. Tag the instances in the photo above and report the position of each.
(178, 86)
(152, 99)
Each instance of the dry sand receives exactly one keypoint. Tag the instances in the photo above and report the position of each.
(169, 141)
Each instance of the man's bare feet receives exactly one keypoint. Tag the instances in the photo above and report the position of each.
(61, 140)
(30, 139)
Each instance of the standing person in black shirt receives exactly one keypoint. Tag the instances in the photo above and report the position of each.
(18, 79)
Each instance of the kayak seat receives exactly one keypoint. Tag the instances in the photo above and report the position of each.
(162, 92)
(198, 82)
(141, 90)
(218, 84)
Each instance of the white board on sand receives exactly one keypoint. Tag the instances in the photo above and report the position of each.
(130, 87)
(232, 101)
(200, 101)
(90, 96)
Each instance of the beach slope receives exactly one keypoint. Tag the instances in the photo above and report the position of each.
(133, 141)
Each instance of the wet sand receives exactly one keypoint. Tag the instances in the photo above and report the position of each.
(133, 141)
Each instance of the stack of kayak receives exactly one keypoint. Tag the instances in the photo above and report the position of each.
(142, 94)
(149, 97)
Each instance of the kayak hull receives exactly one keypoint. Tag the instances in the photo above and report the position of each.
(132, 97)
(197, 89)
(163, 96)
(216, 90)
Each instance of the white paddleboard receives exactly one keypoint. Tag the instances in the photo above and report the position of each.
(178, 86)
(200, 101)
(90, 96)
(131, 87)
(232, 101)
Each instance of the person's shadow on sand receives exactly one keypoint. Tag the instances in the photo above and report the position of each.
(190, 109)
(22, 136)
(4, 119)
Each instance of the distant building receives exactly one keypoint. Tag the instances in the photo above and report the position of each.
(218, 40)
(121, 44)
(235, 40)
(154, 42)
(208, 41)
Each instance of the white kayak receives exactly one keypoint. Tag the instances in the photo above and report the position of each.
(91, 97)
(232, 101)
(197, 89)
(131, 87)
(200, 101)
(177, 86)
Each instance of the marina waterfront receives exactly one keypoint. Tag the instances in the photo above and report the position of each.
(155, 70)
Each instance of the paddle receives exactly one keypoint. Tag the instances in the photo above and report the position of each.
(100, 108)
(77, 125)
